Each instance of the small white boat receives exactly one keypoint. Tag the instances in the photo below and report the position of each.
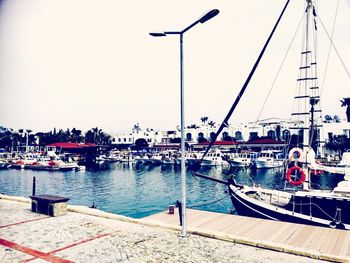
(268, 159)
(101, 158)
(156, 158)
(113, 157)
(127, 158)
(243, 159)
(343, 166)
(213, 158)
(145, 159)
(168, 157)
(194, 158)
(4, 164)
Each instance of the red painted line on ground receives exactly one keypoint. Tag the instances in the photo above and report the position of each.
(73, 245)
(23, 222)
(81, 242)
(33, 252)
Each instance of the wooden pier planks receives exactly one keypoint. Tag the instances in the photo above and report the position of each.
(318, 242)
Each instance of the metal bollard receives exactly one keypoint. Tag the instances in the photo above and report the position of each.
(171, 209)
(34, 186)
(179, 206)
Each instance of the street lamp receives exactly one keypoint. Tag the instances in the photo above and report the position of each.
(202, 20)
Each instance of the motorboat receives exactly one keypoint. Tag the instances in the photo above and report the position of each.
(156, 158)
(168, 157)
(194, 158)
(242, 159)
(214, 158)
(268, 159)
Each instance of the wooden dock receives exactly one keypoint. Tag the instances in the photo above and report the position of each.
(315, 242)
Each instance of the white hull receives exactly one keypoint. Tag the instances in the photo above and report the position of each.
(260, 164)
(207, 162)
(239, 163)
(168, 161)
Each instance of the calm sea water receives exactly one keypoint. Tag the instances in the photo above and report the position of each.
(138, 191)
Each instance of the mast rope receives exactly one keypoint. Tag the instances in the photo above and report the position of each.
(209, 203)
(240, 94)
(317, 206)
(280, 67)
(329, 48)
(335, 49)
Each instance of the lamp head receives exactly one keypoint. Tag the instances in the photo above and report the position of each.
(209, 15)
(156, 34)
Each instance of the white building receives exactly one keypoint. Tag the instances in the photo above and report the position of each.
(152, 137)
(274, 128)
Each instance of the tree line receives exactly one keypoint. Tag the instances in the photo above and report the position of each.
(11, 139)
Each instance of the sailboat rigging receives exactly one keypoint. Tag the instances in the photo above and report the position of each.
(303, 204)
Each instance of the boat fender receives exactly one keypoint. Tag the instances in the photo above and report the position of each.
(289, 173)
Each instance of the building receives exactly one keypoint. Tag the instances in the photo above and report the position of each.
(274, 128)
(277, 130)
(152, 137)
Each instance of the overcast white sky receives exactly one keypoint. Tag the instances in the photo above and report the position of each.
(88, 63)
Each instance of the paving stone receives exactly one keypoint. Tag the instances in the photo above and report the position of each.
(120, 241)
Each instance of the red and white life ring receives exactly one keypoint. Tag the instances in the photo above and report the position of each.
(289, 173)
(296, 154)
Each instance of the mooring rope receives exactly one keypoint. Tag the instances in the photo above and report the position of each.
(209, 203)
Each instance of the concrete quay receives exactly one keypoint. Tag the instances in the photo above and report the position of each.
(90, 235)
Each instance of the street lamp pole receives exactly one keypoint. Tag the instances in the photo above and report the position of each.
(202, 20)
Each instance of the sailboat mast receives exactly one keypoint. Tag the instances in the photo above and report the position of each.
(308, 109)
(308, 60)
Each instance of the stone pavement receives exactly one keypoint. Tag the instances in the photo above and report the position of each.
(78, 237)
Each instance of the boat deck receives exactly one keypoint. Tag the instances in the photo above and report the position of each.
(315, 242)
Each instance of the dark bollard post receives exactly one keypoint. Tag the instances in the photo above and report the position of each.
(179, 205)
(34, 185)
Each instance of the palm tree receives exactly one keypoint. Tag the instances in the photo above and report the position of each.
(136, 128)
(89, 137)
(76, 135)
(204, 119)
(339, 143)
(345, 102)
(28, 131)
(211, 124)
(97, 136)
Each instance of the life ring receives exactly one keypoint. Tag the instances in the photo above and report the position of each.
(295, 154)
(289, 173)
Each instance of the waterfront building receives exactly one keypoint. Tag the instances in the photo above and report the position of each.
(275, 129)
(151, 136)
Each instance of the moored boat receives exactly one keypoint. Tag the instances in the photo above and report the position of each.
(267, 159)
(300, 202)
(242, 159)
(214, 158)
(194, 158)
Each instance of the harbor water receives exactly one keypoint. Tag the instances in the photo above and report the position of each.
(141, 190)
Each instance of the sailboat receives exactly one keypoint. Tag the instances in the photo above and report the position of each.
(298, 203)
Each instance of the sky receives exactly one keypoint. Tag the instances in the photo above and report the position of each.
(88, 63)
